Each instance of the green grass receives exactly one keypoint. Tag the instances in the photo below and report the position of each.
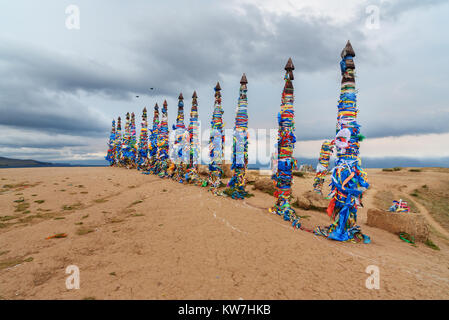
(298, 174)
(39, 201)
(22, 207)
(101, 200)
(6, 218)
(415, 170)
(135, 202)
(431, 245)
(8, 263)
(392, 169)
(229, 192)
(83, 230)
(11, 262)
(436, 201)
(72, 206)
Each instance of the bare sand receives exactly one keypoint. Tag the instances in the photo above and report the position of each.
(135, 236)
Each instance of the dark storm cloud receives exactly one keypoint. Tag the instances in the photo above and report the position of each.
(201, 46)
(64, 72)
(69, 120)
(42, 85)
(33, 107)
(191, 46)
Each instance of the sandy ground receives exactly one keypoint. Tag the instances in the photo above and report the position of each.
(143, 237)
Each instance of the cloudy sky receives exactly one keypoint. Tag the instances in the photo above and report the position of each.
(61, 87)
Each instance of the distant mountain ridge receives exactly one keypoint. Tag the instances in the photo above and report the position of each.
(8, 162)
(387, 162)
(30, 163)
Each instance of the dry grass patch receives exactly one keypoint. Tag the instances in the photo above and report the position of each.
(84, 230)
(137, 215)
(115, 220)
(135, 202)
(72, 207)
(20, 207)
(101, 200)
(6, 218)
(436, 200)
(11, 262)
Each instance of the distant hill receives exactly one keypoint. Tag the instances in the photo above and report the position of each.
(8, 162)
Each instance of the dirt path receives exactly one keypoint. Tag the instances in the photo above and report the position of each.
(430, 220)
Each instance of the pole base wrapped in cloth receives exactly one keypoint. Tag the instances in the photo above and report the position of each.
(285, 145)
(110, 156)
(191, 173)
(349, 181)
(236, 186)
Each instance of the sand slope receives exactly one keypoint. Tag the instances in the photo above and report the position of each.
(143, 237)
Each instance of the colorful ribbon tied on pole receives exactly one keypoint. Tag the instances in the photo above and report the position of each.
(125, 149)
(152, 147)
(216, 144)
(180, 152)
(322, 169)
(191, 175)
(118, 142)
(163, 144)
(349, 180)
(285, 145)
(110, 156)
(240, 145)
(142, 154)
